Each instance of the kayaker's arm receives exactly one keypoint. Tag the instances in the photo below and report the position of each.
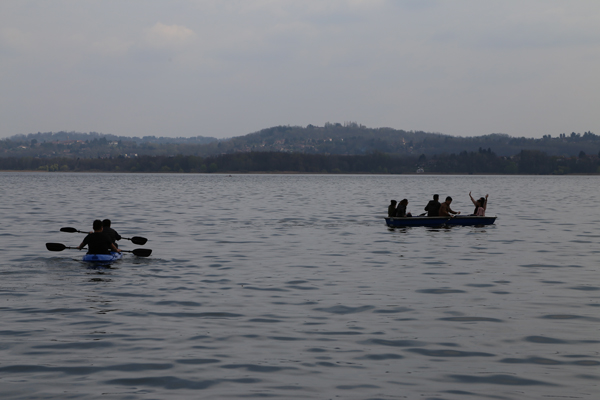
(114, 248)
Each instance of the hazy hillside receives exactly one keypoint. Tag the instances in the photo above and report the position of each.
(354, 139)
(66, 136)
(330, 139)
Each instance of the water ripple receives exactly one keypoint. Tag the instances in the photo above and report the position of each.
(380, 357)
(499, 380)
(470, 319)
(84, 370)
(449, 353)
(549, 340)
(393, 343)
(345, 310)
(440, 291)
(174, 383)
(257, 368)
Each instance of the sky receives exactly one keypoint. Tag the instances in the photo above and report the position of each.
(183, 68)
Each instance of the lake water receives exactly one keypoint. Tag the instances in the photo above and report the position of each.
(292, 287)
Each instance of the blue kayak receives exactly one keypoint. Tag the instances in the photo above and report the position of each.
(103, 258)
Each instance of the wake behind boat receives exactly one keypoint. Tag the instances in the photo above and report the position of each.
(463, 220)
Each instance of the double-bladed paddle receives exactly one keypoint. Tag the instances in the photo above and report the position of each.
(57, 247)
(135, 240)
(139, 252)
(61, 247)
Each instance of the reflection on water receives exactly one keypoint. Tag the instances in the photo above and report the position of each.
(293, 287)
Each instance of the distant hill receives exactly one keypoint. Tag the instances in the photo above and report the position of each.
(330, 139)
(66, 136)
(354, 139)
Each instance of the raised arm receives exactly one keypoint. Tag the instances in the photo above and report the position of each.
(485, 202)
(472, 199)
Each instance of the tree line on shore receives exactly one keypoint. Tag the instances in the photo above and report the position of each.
(330, 139)
(483, 161)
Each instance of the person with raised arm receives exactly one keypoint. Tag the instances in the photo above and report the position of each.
(480, 205)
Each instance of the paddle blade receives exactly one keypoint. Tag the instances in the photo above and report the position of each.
(138, 240)
(68, 229)
(142, 252)
(55, 246)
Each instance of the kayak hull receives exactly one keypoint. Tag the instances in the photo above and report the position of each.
(102, 258)
(466, 220)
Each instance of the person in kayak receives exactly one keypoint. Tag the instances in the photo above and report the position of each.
(112, 234)
(98, 242)
(433, 207)
(480, 205)
(445, 209)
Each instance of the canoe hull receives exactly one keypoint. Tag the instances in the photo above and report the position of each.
(465, 220)
(102, 258)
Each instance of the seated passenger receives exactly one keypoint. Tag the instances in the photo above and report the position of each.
(112, 234)
(445, 209)
(392, 209)
(98, 242)
(433, 207)
(401, 210)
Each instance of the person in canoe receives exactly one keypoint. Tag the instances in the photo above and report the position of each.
(445, 210)
(392, 209)
(112, 234)
(480, 205)
(98, 242)
(433, 207)
(401, 210)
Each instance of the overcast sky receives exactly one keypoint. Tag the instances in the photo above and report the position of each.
(228, 68)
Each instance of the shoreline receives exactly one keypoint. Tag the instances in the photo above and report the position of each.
(292, 173)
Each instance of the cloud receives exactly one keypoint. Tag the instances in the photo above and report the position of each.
(169, 36)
